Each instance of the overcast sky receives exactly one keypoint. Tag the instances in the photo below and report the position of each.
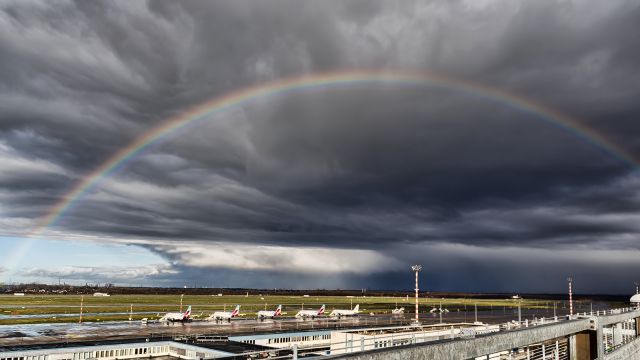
(322, 188)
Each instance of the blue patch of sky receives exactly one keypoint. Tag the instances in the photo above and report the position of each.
(55, 254)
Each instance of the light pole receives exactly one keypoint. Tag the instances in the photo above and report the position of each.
(181, 296)
(416, 269)
(570, 280)
(519, 312)
(475, 311)
(81, 306)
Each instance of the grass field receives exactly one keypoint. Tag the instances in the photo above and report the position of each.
(64, 308)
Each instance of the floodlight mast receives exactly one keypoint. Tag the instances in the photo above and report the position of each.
(416, 269)
(570, 280)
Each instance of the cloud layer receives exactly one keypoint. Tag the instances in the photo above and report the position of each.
(351, 180)
(129, 275)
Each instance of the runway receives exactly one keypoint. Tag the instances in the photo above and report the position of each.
(12, 335)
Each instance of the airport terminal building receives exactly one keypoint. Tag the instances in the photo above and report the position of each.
(136, 350)
(314, 343)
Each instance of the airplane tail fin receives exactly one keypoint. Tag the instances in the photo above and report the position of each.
(236, 311)
(356, 309)
(187, 313)
(278, 311)
(321, 311)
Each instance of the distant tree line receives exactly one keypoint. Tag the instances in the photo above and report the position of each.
(112, 289)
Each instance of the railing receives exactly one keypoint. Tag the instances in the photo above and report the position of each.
(618, 335)
(556, 349)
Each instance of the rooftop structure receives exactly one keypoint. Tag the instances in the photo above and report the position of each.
(170, 349)
(348, 341)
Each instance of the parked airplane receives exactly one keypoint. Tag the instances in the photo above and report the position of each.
(264, 314)
(177, 316)
(397, 311)
(224, 315)
(438, 310)
(310, 313)
(341, 313)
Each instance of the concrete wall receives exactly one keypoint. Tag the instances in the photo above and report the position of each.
(629, 351)
(349, 342)
(472, 348)
(355, 341)
(612, 319)
(490, 344)
(116, 351)
(607, 320)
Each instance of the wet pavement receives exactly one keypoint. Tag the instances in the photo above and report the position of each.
(12, 335)
(68, 315)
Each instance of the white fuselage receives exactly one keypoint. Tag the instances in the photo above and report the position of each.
(174, 317)
(307, 313)
(221, 315)
(310, 313)
(263, 314)
(341, 313)
(224, 315)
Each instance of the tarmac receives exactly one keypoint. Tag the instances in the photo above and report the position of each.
(15, 335)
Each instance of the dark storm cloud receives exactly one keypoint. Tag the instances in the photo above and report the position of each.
(378, 168)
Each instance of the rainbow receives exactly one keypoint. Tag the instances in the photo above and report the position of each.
(322, 80)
